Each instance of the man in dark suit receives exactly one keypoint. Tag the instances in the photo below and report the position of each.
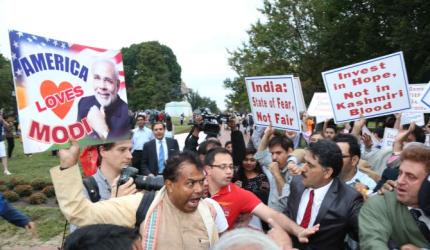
(106, 113)
(318, 196)
(157, 151)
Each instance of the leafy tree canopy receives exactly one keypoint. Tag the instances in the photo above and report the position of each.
(307, 37)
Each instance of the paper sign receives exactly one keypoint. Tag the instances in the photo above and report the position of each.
(67, 91)
(425, 98)
(371, 88)
(389, 136)
(298, 90)
(416, 92)
(273, 100)
(320, 107)
(408, 117)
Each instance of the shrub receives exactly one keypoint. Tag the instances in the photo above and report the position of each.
(37, 198)
(10, 195)
(24, 190)
(3, 188)
(49, 191)
(2, 182)
(38, 184)
(15, 181)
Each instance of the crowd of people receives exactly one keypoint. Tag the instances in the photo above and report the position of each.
(324, 188)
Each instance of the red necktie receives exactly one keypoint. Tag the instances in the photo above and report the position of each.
(308, 211)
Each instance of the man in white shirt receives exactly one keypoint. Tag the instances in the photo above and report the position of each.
(141, 135)
(318, 196)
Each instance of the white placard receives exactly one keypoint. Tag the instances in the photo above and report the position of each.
(273, 100)
(300, 99)
(416, 92)
(408, 117)
(320, 107)
(389, 136)
(371, 88)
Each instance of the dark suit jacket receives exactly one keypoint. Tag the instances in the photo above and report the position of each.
(117, 118)
(338, 214)
(150, 156)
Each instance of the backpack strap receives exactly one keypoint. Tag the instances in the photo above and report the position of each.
(146, 201)
(93, 189)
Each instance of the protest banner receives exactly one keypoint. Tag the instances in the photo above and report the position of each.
(67, 91)
(320, 107)
(416, 92)
(408, 117)
(389, 137)
(273, 100)
(298, 90)
(425, 97)
(371, 88)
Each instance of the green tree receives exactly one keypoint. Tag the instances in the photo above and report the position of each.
(307, 37)
(152, 74)
(196, 101)
(7, 100)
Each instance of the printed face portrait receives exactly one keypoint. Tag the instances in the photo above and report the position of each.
(105, 82)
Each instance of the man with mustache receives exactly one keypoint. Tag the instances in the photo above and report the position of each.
(106, 113)
(176, 219)
(318, 196)
(397, 217)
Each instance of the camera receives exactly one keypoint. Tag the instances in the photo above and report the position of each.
(141, 181)
(210, 125)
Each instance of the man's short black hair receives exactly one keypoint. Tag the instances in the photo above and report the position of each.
(155, 123)
(210, 156)
(173, 164)
(282, 140)
(203, 147)
(328, 154)
(102, 237)
(418, 133)
(354, 147)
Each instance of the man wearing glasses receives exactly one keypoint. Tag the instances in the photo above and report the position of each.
(236, 201)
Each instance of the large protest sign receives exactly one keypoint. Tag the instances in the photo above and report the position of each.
(67, 91)
(416, 92)
(320, 107)
(371, 88)
(273, 100)
(408, 117)
(425, 96)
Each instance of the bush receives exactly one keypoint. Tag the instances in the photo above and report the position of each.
(38, 184)
(24, 190)
(10, 195)
(37, 198)
(49, 191)
(2, 182)
(15, 181)
(3, 188)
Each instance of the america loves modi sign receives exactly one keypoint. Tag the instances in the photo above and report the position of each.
(67, 91)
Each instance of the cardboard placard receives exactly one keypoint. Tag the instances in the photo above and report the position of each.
(371, 88)
(67, 91)
(273, 100)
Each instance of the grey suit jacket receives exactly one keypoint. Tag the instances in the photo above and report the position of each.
(338, 214)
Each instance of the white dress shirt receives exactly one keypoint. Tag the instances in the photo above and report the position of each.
(319, 195)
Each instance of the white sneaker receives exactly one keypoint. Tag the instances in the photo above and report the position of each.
(6, 172)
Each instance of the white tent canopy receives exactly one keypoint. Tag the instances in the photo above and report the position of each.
(177, 108)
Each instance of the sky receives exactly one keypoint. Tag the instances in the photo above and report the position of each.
(198, 31)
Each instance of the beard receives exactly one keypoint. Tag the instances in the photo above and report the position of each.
(105, 101)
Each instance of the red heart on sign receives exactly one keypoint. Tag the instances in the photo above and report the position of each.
(57, 97)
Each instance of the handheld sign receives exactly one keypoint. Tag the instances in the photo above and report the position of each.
(320, 107)
(389, 137)
(273, 100)
(298, 90)
(67, 91)
(425, 96)
(371, 88)
(416, 91)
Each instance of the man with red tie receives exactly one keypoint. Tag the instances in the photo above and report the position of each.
(318, 196)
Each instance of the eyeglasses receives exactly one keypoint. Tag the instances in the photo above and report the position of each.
(224, 166)
(346, 156)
